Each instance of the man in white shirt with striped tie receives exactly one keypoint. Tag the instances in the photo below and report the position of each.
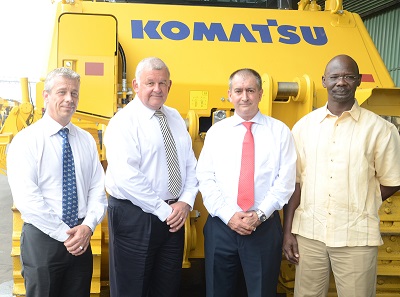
(152, 184)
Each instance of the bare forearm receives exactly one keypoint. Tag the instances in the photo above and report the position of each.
(289, 209)
(386, 191)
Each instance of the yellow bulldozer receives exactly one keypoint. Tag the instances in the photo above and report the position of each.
(203, 42)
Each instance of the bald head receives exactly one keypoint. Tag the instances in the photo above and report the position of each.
(342, 61)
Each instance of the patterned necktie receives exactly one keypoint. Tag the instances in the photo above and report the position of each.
(70, 196)
(174, 173)
(246, 180)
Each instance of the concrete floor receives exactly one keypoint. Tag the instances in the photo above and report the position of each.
(5, 238)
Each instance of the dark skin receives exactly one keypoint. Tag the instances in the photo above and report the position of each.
(289, 247)
(341, 93)
(341, 98)
(386, 191)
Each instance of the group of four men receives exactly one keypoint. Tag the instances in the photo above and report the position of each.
(330, 174)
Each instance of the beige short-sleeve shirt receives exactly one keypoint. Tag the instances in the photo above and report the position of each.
(341, 163)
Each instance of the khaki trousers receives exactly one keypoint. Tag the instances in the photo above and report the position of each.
(354, 269)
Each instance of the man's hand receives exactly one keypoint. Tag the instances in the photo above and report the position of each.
(290, 248)
(252, 220)
(244, 223)
(78, 240)
(176, 220)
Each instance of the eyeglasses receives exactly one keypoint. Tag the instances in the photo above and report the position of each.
(347, 78)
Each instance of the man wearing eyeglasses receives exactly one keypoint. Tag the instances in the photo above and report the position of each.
(348, 163)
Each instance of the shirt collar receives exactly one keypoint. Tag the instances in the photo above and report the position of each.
(237, 120)
(52, 127)
(146, 112)
(354, 112)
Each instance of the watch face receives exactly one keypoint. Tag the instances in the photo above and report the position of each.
(261, 216)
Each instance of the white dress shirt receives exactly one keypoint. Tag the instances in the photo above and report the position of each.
(137, 165)
(34, 170)
(218, 168)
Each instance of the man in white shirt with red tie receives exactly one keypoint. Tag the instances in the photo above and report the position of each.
(245, 232)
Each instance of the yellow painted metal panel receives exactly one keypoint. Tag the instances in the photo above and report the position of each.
(202, 47)
(282, 43)
(88, 45)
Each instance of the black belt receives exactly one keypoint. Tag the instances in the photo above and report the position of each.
(171, 201)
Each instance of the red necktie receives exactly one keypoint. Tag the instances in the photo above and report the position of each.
(246, 180)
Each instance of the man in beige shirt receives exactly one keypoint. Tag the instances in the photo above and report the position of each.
(348, 163)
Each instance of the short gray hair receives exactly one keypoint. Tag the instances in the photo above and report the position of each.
(151, 63)
(244, 72)
(62, 71)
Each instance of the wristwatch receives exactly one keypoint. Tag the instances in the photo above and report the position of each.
(261, 215)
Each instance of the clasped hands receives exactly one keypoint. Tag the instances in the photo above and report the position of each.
(244, 223)
(78, 240)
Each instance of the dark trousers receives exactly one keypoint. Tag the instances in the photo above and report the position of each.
(258, 254)
(49, 270)
(145, 257)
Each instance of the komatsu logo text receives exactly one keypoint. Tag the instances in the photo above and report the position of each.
(175, 30)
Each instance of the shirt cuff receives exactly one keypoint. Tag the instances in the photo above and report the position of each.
(188, 199)
(267, 211)
(91, 223)
(163, 211)
(226, 215)
(61, 233)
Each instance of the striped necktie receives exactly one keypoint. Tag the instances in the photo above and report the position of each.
(69, 193)
(246, 180)
(174, 173)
